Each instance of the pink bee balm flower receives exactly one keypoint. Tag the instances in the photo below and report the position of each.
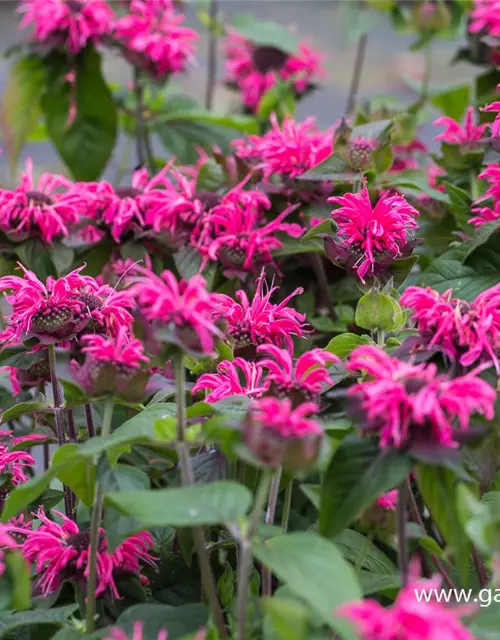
(492, 175)
(485, 214)
(71, 24)
(41, 210)
(256, 69)
(411, 404)
(369, 237)
(288, 149)
(61, 552)
(277, 434)
(303, 380)
(466, 331)
(467, 136)
(261, 321)
(185, 307)
(61, 308)
(408, 618)
(6, 542)
(494, 107)
(112, 365)
(485, 17)
(153, 38)
(14, 464)
(242, 241)
(388, 500)
(137, 633)
(404, 155)
(226, 382)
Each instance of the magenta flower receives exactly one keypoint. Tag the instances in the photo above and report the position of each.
(407, 618)
(360, 152)
(388, 500)
(243, 241)
(112, 365)
(404, 155)
(119, 634)
(370, 237)
(186, 308)
(277, 434)
(494, 107)
(14, 463)
(154, 39)
(467, 136)
(301, 381)
(485, 17)
(288, 149)
(261, 321)
(256, 69)
(61, 552)
(71, 24)
(407, 404)
(6, 542)
(467, 332)
(60, 309)
(43, 210)
(226, 382)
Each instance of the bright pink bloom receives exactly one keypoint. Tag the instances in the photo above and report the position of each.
(485, 17)
(61, 551)
(494, 106)
(43, 210)
(61, 308)
(289, 148)
(154, 38)
(123, 209)
(242, 240)
(388, 500)
(186, 307)
(485, 214)
(279, 417)
(467, 136)
(256, 69)
(14, 464)
(305, 379)
(226, 382)
(376, 234)
(261, 321)
(404, 155)
(119, 634)
(6, 542)
(492, 175)
(68, 23)
(406, 403)
(123, 350)
(467, 331)
(408, 618)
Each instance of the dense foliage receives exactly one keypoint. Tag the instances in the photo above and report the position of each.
(261, 370)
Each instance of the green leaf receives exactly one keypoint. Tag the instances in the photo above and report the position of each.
(55, 616)
(62, 257)
(288, 619)
(235, 122)
(206, 504)
(123, 477)
(314, 569)
(312, 492)
(179, 621)
(460, 205)
(279, 99)
(12, 356)
(32, 406)
(453, 102)
(376, 131)
(20, 108)
(482, 235)
(400, 269)
(377, 310)
(334, 167)
(35, 257)
(438, 487)
(484, 623)
(187, 262)
(353, 544)
(357, 474)
(379, 582)
(19, 576)
(88, 142)
(24, 494)
(323, 227)
(265, 33)
(342, 345)
(76, 471)
(210, 176)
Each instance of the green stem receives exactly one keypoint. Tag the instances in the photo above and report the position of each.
(270, 513)
(245, 563)
(474, 191)
(94, 528)
(356, 75)
(364, 552)
(426, 81)
(381, 338)
(287, 506)
(401, 532)
(187, 477)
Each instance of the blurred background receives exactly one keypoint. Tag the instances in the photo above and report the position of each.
(390, 69)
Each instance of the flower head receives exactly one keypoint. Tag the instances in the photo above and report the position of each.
(404, 155)
(467, 136)
(409, 618)
(388, 500)
(261, 321)
(467, 332)
(256, 69)
(154, 38)
(71, 24)
(370, 237)
(226, 382)
(60, 309)
(303, 380)
(43, 210)
(288, 149)
(408, 404)
(37, 371)
(185, 308)
(137, 633)
(6, 542)
(485, 17)
(14, 463)
(112, 365)
(360, 152)
(277, 434)
(61, 552)
(494, 107)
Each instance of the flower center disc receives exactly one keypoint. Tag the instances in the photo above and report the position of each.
(269, 59)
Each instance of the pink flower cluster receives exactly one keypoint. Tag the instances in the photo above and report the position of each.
(60, 551)
(467, 136)
(407, 404)
(484, 212)
(485, 17)
(6, 542)
(256, 69)
(14, 464)
(467, 332)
